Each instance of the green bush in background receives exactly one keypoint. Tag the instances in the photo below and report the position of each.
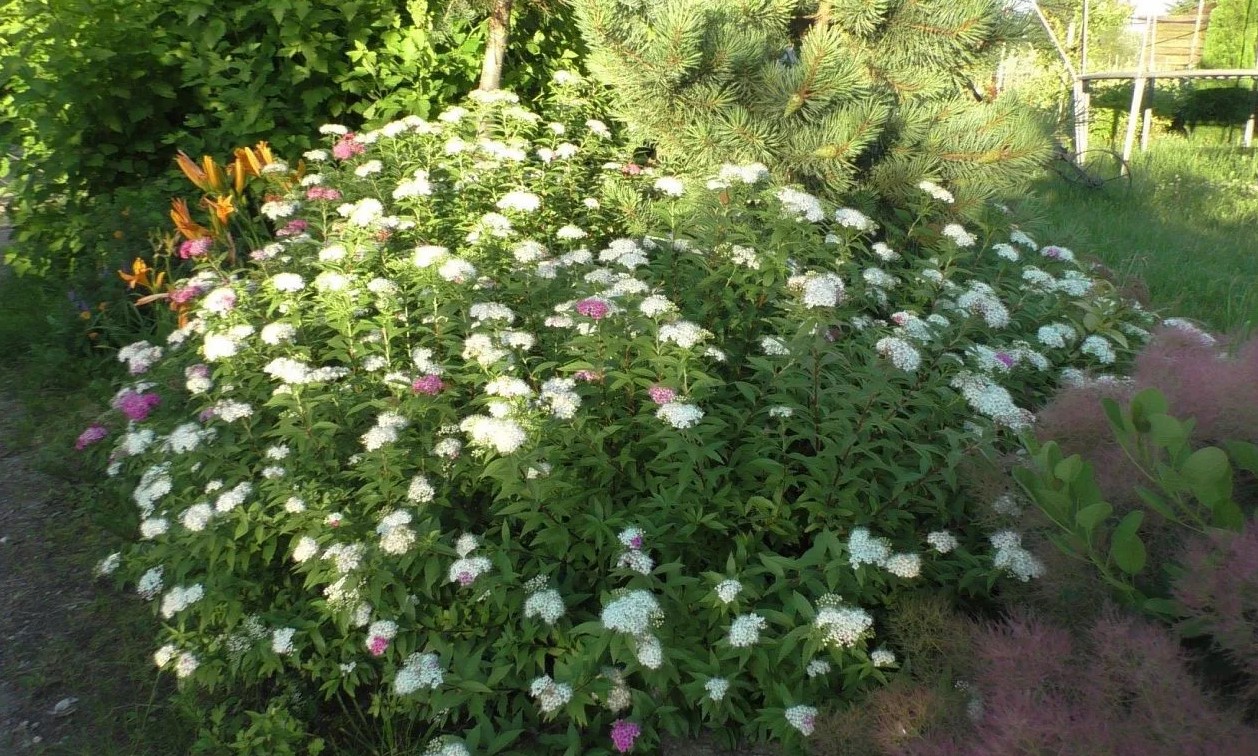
(98, 95)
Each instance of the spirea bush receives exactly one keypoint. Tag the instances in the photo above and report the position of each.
(531, 448)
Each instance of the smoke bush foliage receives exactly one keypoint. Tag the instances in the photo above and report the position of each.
(1201, 379)
(1121, 688)
(1218, 593)
(506, 440)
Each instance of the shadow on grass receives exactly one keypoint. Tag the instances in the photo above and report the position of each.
(1187, 229)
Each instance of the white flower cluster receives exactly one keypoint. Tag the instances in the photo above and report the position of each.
(562, 398)
(882, 657)
(670, 186)
(744, 631)
(546, 604)
(680, 415)
(728, 175)
(801, 205)
(395, 535)
(282, 640)
(520, 201)
(992, 400)
(840, 625)
(185, 662)
(150, 583)
(306, 548)
(716, 687)
(959, 236)
(980, 299)
(851, 218)
(385, 431)
(419, 671)
(648, 650)
(942, 541)
(1006, 251)
(197, 517)
(744, 256)
(416, 186)
(902, 355)
(1055, 335)
(139, 356)
(817, 668)
(550, 695)
(802, 718)
(229, 410)
(936, 191)
(728, 590)
(1100, 348)
(500, 434)
(683, 333)
(179, 598)
(822, 290)
(154, 484)
(774, 347)
(1011, 557)
(633, 557)
(420, 491)
(632, 613)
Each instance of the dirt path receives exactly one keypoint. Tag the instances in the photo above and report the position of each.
(40, 601)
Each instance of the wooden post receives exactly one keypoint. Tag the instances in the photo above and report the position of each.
(1080, 94)
(1147, 124)
(1196, 33)
(1137, 94)
(496, 45)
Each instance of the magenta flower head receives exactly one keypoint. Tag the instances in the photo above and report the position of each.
(136, 406)
(661, 394)
(593, 307)
(322, 193)
(293, 228)
(430, 384)
(588, 376)
(94, 433)
(1005, 359)
(195, 248)
(377, 645)
(347, 148)
(624, 734)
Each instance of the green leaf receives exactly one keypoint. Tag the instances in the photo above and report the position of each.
(1092, 515)
(1126, 548)
(1244, 455)
(1209, 475)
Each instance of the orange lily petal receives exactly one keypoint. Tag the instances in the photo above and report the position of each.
(192, 171)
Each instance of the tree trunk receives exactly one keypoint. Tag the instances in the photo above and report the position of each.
(496, 45)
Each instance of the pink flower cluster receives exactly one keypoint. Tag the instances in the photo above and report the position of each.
(195, 248)
(624, 733)
(94, 433)
(661, 394)
(136, 406)
(430, 384)
(347, 147)
(293, 228)
(588, 376)
(377, 644)
(594, 308)
(323, 193)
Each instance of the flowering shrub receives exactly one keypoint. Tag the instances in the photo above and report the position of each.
(509, 437)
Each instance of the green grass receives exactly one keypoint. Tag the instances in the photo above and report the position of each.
(1187, 228)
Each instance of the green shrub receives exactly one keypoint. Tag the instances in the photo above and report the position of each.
(98, 94)
(509, 441)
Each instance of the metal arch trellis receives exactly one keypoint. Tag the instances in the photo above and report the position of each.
(1080, 78)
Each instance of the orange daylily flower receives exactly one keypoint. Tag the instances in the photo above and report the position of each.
(207, 177)
(221, 206)
(139, 275)
(189, 228)
(239, 171)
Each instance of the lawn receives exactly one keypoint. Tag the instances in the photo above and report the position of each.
(1187, 228)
